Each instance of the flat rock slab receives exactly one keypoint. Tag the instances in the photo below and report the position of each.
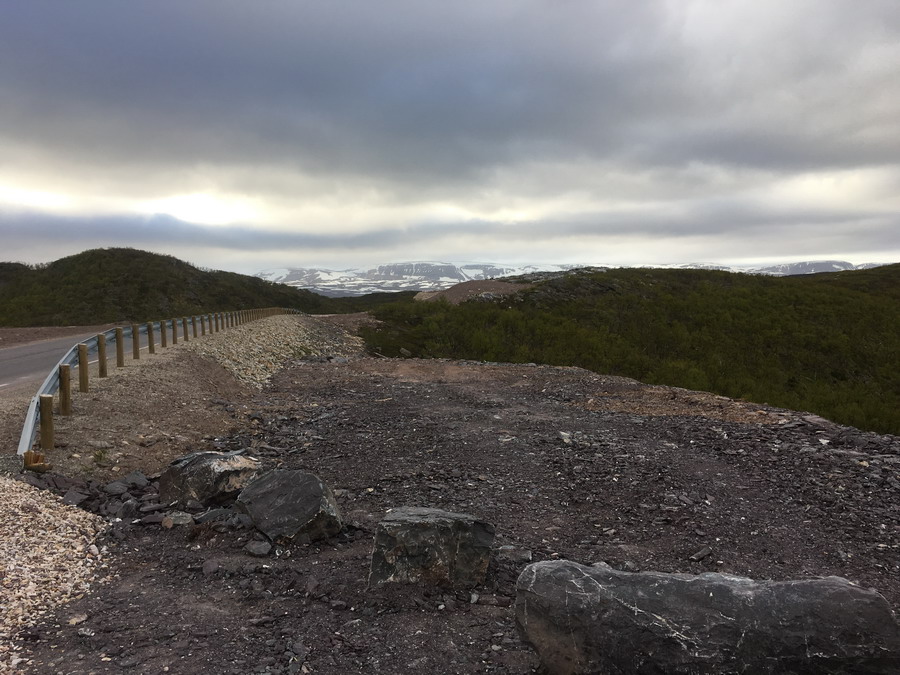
(422, 545)
(597, 619)
(207, 477)
(287, 505)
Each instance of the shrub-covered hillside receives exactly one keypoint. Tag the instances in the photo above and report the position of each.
(827, 343)
(121, 284)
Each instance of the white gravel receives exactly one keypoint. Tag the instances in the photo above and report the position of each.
(47, 557)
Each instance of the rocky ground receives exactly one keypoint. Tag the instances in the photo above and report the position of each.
(565, 463)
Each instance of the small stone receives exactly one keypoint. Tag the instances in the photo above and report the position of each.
(210, 567)
(136, 479)
(173, 518)
(701, 554)
(74, 498)
(258, 548)
(514, 554)
(117, 487)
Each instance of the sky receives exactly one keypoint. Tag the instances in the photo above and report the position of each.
(251, 135)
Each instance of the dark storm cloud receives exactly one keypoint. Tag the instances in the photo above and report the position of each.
(406, 89)
(456, 103)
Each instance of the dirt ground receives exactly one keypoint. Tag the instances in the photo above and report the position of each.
(469, 289)
(565, 464)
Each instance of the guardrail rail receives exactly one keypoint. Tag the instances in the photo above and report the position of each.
(79, 357)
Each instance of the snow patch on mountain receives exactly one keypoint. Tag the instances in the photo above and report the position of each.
(437, 275)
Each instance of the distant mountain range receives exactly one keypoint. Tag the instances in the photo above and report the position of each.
(435, 276)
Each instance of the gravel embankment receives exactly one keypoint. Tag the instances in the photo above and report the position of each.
(48, 554)
(253, 352)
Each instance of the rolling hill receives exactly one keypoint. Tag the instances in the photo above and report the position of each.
(121, 284)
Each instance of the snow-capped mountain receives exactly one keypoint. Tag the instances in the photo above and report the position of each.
(435, 276)
(405, 276)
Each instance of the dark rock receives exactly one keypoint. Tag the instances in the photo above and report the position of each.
(286, 504)
(258, 548)
(207, 477)
(136, 479)
(150, 508)
(415, 544)
(514, 554)
(74, 498)
(117, 487)
(701, 554)
(597, 619)
(129, 510)
(153, 519)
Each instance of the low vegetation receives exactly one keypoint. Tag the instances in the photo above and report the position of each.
(826, 343)
(122, 285)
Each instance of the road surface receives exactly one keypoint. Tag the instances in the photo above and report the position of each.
(28, 364)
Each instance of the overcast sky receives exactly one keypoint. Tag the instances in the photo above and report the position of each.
(249, 135)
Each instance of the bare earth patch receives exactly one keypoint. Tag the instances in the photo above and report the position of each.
(470, 289)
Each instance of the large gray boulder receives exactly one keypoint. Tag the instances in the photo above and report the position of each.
(208, 477)
(599, 620)
(287, 504)
(414, 544)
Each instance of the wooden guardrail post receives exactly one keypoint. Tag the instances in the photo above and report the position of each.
(184, 328)
(101, 354)
(46, 421)
(216, 317)
(151, 342)
(120, 348)
(83, 368)
(174, 331)
(194, 326)
(202, 324)
(65, 389)
(163, 339)
(135, 341)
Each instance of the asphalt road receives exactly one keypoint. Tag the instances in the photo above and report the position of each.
(27, 364)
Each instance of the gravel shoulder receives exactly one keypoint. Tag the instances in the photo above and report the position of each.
(566, 463)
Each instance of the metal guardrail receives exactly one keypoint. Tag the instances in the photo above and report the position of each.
(51, 383)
